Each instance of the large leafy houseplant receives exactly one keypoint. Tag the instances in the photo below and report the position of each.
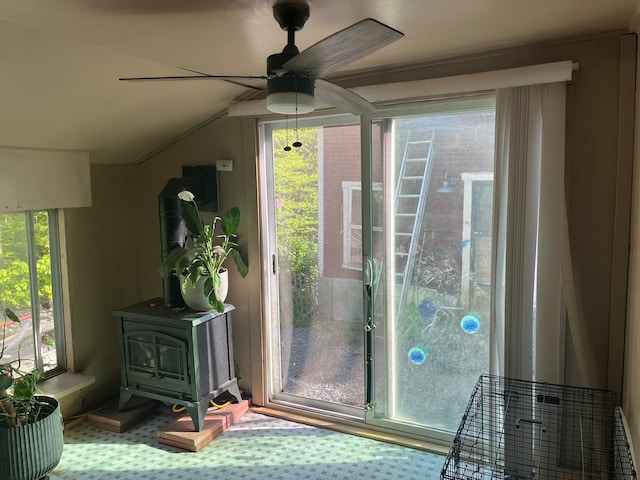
(26, 419)
(205, 251)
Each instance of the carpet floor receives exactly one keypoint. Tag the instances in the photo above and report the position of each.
(256, 447)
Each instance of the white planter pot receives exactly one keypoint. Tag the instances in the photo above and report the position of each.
(194, 296)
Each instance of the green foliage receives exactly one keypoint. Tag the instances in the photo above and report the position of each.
(14, 259)
(296, 186)
(304, 266)
(203, 256)
(296, 183)
(21, 406)
(14, 279)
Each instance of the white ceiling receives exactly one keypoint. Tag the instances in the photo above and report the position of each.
(60, 60)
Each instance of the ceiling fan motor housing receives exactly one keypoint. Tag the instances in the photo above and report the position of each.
(291, 15)
(288, 93)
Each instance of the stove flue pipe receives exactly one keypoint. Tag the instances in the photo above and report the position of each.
(173, 232)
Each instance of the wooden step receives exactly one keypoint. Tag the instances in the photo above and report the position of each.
(109, 418)
(181, 434)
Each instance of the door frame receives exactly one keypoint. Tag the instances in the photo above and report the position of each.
(441, 106)
(271, 347)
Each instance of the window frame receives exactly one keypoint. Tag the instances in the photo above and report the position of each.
(348, 187)
(55, 257)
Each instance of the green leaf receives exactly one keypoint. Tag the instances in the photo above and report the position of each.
(169, 263)
(411, 309)
(5, 382)
(209, 286)
(217, 305)
(188, 260)
(25, 387)
(192, 219)
(237, 258)
(231, 221)
(10, 314)
(210, 291)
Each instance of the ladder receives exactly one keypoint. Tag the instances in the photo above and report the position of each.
(411, 194)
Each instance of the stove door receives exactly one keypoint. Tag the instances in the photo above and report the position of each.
(156, 361)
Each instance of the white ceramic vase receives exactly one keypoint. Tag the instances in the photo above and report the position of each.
(194, 296)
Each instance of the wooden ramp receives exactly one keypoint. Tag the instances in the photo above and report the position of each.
(181, 434)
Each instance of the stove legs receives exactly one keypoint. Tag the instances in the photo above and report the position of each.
(196, 410)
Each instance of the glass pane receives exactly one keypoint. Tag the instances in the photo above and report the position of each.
(47, 344)
(320, 300)
(15, 289)
(432, 335)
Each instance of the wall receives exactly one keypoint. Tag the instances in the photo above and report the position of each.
(102, 263)
(631, 393)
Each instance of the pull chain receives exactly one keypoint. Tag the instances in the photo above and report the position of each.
(286, 128)
(297, 143)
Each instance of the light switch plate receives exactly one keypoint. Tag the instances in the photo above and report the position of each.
(224, 165)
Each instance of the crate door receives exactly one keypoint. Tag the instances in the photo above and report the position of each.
(531, 430)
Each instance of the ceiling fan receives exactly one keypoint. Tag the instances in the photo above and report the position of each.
(295, 78)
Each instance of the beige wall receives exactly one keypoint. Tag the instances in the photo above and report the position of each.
(631, 394)
(99, 237)
(102, 263)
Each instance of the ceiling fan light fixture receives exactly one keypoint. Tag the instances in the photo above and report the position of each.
(290, 95)
(290, 103)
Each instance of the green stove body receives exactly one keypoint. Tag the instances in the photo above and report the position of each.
(176, 356)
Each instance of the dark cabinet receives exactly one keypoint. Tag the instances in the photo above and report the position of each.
(176, 356)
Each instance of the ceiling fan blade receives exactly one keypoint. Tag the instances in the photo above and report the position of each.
(194, 77)
(341, 98)
(342, 48)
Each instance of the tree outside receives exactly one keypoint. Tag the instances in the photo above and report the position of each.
(296, 184)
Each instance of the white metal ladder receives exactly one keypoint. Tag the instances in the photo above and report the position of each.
(411, 194)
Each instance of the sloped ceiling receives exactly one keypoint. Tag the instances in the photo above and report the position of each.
(60, 60)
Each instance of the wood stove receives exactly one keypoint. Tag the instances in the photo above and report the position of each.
(176, 355)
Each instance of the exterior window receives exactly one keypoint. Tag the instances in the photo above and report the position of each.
(30, 285)
(352, 222)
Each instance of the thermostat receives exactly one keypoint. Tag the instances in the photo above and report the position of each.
(224, 165)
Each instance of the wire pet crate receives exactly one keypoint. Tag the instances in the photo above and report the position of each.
(515, 429)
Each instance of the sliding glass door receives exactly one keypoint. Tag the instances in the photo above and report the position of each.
(315, 238)
(378, 235)
(429, 253)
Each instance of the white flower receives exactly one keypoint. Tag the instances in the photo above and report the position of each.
(186, 195)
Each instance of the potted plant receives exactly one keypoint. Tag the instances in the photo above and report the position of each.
(31, 440)
(200, 261)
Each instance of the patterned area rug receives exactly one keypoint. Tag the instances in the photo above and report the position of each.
(257, 447)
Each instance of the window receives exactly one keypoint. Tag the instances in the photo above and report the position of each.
(352, 222)
(30, 284)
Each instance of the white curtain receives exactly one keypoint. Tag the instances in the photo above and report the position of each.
(529, 311)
